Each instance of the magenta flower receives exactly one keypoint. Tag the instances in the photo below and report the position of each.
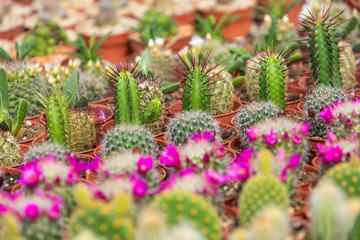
(30, 174)
(205, 136)
(80, 166)
(100, 117)
(145, 164)
(54, 212)
(220, 151)
(140, 188)
(285, 136)
(333, 154)
(245, 156)
(327, 115)
(304, 130)
(294, 161)
(270, 139)
(239, 172)
(296, 139)
(281, 155)
(215, 178)
(331, 136)
(283, 176)
(170, 157)
(251, 134)
(31, 211)
(349, 122)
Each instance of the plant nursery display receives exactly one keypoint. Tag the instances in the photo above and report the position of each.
(179, 120)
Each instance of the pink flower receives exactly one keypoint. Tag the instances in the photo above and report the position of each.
(285, 136)
(170, 157)
(270, 139)
(283, 176)
(294, 161)
(251, 134)
(331, 136)
(349, 122)
(100, 116)
(206, 136)
(281, 155)
(145, 164)
(140, 188)
(80, 166)
(30, 174)
(31, 211)
(54, 212)
(304, 130)
(333, 154)
(245, 156)
(326, 115)
(296, 139)
(239, 172)
(220, 151)
(215, 178)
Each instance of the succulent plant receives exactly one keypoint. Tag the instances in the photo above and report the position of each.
(44, 149)
(10, 228)
(323, 46)
(128, 138)
(186, 123)
(10, 152)
(152, 225)
(347, 65)
(252, 114)
(261, 191)
(319, 98)
(251, 80)
(332, 213)
(188, 207)
(92, 86)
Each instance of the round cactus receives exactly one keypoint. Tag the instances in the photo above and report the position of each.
(43, 229)
(182, 206)
(10, 150)
(251, 80)
(92, 86)
(347, 65)
(259, 192)
(253, 113)
(128, 138)
(44, 149)
(99, 218)
(10, 228)
(151, 225)
(83, 129)
(187, 123)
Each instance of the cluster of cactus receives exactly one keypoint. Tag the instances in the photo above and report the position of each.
(320, 97)
(138, 99)
(46, 36)
(186, 123)
(25, 79)
(272, 77)
(128, 138)
(347, 65)
(10, 128)
(254, 113)
(188, 207)
(44, 149)
(42, 229)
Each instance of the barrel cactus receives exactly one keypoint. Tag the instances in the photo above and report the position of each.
(347, 65)
(44, 149)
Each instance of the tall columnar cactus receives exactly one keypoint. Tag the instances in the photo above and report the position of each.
(125, 82)
(101, 221)
(186, 123)
(272, 77)
(262, 191)
(347, 65)
(128, 138)
(324, 49)
(188, 207)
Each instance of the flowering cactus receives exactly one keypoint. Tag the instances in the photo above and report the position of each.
(343, 117)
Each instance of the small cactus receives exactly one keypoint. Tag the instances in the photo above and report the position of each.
(44, 149)
(347, 65)
(10, 150)
(152, 225)
(10, 228)
(251, 80)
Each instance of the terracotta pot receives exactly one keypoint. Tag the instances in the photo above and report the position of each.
(12, 33)
(11, 170)
(59, 56)
(231, 212)
(313, 142)
(95, 108)
(239, 28)
(292, 105)
(233, 145)
(356, 91)
(316, 162)
(103, 102)
(115, 47)
(354, 3)
(30, 141)
(295, 11)
(24, 148)
(35, 118)
(300, 106)
(175, 108)
(185, 19)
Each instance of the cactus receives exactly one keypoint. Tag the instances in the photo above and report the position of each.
(10, 150)
(324, 48)
(128, 138)
(186, 231)
(252, 114)
(186, 123)
(188, 207)
(346, 176)
(101, 221)
(251, 80)
(128, 107)
(9, 228)
(92, 86)
(152, 225)
(331, 218)
(44, 149)
(347, 65)
(320, 97)
(42, 229)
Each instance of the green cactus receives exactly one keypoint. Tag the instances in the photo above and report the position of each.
(151, 225)
(101, 221)
(42, 229)
(320, 97)
(324, 49)
(187, 123)
(128, 138)
(347, 65)
(346, 176)
(10, 228)
(44, 149)
(188, 207)
(253, 113)
(355, 233)
(92, 86)
(10, 150)
(251, 80)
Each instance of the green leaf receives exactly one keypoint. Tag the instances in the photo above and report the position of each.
(4, 91)
(5, 120)
(152, 111)
(4, 55)
(71, 88)
(19, 117)
(144, 64)
(101, 41)
(170, 87)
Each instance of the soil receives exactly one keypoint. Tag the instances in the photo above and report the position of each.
(31, 131)
(231, 189)
(307, 177)
(170, 99)
(298, 229)
(8, 180)
(227, 134)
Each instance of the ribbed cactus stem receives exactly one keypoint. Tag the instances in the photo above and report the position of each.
(262, 83)
(198, 97)
(336, 57)
(19, 117)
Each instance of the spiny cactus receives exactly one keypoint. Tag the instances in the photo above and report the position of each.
(186, 123)
(128, 138)
(151, 225)
(10, 228)
(99, 218)
(44, 149)
(252, 114)
(346, 176)
(320, 97)
(10, 150)
(272, 77)
(92, 86)
(188, 207)
(347, 65)
(128, 107)
(251, 80)
(332, 218)
(324, 49)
